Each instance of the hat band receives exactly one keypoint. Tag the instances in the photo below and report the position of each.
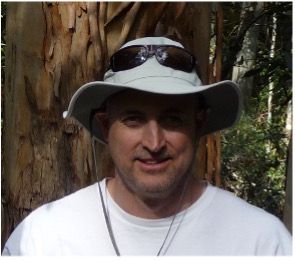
(151, 69)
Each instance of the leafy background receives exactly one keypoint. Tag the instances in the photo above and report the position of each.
(254, 153)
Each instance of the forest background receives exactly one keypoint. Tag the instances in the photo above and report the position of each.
(257, 54)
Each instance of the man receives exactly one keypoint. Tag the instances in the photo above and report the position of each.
(151, 110)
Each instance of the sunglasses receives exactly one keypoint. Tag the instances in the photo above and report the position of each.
(167, 55)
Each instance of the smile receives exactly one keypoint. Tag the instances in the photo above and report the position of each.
(153, 161)
(153, 165)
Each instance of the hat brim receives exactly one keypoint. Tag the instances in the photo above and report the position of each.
(224, 99)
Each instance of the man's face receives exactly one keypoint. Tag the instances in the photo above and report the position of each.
(152, 140)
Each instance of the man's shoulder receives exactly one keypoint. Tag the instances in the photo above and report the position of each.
(74, 201)
(227, 199)
(241, 211)
(62, 213)
(51, 225)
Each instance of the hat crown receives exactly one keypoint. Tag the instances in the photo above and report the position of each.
(152, 41)
(152, 70)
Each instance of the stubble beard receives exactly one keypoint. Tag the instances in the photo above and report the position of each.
(171, 185)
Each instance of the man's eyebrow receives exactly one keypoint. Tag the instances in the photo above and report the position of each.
(174, 110)
(130, 111)
(138, 111)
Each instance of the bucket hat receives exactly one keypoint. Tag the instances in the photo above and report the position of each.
(224, 98)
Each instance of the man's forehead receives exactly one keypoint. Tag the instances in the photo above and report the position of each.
(134, 97)
(149, 103)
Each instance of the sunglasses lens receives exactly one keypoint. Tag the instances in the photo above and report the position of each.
(176, 58)
(129, 57)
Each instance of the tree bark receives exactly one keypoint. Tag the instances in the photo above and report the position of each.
(247, 55)
(53, 49)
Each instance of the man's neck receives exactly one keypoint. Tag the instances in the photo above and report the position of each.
(155, 208)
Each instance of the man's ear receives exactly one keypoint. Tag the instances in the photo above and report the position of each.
(103, 121)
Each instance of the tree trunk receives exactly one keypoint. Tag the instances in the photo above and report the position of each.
(247, 55)
(52, 49)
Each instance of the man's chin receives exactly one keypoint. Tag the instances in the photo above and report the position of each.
(154, 187)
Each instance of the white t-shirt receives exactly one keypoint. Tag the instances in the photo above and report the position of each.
(218, 223)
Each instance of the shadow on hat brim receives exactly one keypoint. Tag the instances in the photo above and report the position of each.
(224, 99)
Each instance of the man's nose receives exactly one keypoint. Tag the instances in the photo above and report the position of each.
(153, 136)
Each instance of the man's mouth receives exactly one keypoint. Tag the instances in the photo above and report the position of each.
(153, 161)
(151, 165)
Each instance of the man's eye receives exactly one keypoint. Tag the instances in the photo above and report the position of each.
(133, 120)
(173, 120)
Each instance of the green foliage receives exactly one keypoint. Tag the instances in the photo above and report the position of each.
(254, 153)
(253, 163)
